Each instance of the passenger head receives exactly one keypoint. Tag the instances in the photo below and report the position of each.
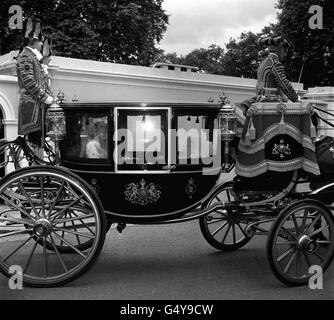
(98, 130)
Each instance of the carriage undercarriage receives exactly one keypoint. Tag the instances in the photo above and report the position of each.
(53, 224)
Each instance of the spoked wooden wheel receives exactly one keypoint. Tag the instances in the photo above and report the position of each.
(223, 229)
(48, 211)
(301, 237)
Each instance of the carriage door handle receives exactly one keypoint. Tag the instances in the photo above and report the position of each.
(169, 167)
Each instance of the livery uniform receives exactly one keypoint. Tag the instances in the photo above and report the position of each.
(34, 91)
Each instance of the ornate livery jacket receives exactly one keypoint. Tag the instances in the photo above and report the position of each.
(272, 79)
(33, 92)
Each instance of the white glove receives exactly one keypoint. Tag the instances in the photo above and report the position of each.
(49, 100)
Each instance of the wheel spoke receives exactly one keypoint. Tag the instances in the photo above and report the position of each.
(307, 259)
(295, 223)
(242, 230)
(75, 232)
(63, 232)
(279, 243)
(28, 198)
(75, 229)
(61, 213)
(289, 264)
(216, 221)
(14, 233)
(302, 227)
(58, 254)
(45, 267)
(234, 237)
(323, 242)
(41, 181)
(59, 221)
(285, 254)
(318, 231)
(18, 248)
(56, 199)
(80, 219)
(298, 266)
(313, 223)
(76, 195)
(70, 245)
(16, 207)
(30, 257)
(226, 233)
(228, 195)
(218, 229)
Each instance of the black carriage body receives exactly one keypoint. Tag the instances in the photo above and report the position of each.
(139, 190)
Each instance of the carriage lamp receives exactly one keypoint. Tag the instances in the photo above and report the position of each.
(228, 126)
(55, 126)
(55, 122)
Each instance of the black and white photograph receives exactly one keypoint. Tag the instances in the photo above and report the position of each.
(166, 154)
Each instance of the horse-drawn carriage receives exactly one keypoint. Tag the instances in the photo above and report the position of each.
(164, 163)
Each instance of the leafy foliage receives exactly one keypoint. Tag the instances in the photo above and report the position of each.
(309, 45)
(119, 31)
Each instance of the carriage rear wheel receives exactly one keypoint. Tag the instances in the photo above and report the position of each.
(223, 229)
(301, 237)
(32, 221)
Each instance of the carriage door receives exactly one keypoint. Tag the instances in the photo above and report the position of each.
(141, 139)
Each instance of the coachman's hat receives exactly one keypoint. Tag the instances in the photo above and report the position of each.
(275, 41)
(33, 29)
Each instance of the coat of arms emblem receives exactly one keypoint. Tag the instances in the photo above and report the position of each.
(281, 149)
(142, 193)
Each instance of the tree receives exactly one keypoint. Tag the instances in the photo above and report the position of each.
(309, 44)
(119, 31)
(209, 60)
(243, 56)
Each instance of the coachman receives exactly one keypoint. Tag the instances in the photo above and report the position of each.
(34, 90)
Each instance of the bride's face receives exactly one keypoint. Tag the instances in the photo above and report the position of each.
(103, 134)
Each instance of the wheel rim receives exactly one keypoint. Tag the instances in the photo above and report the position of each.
(37, 204)
(223, 226)
(303, 238)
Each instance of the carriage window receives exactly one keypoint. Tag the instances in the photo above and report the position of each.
(195, 137)
(87, 136)
(142, 138)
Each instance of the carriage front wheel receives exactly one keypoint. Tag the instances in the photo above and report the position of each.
(46, 209)
(302, 237)
(224, 229)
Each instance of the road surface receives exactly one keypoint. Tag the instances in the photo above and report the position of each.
(174, 262)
